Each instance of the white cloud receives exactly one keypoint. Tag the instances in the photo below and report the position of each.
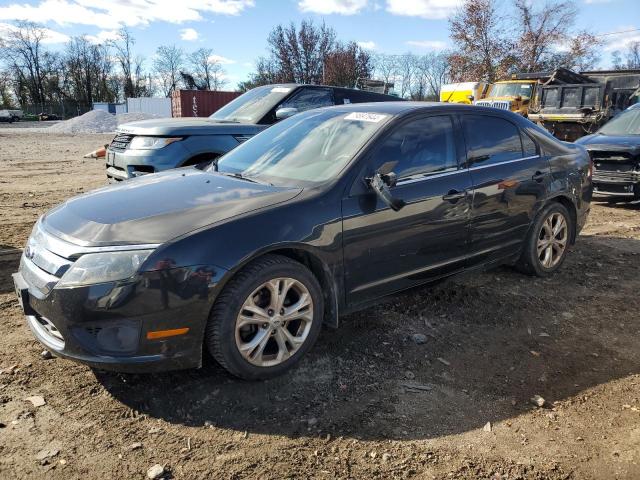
(103, 36)
(428, 44)
(369, 45)
(430, 9)
(51, 35)
(327, 7)
(189, 34)
(112, 14)
(221, 60)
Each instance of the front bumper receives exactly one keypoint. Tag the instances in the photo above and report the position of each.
(106, 325)
(125, 164)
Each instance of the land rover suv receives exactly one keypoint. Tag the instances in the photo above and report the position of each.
(151, 146)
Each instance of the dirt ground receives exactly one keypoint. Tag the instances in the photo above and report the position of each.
(368, 402)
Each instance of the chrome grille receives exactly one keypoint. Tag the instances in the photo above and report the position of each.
(615, 177)
(500, 104)
(121, 142)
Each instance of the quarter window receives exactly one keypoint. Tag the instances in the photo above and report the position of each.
(309, 98)
(491, 140)
(419, 147)
(529, 148)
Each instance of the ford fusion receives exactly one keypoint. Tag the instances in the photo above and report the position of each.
(320, 215)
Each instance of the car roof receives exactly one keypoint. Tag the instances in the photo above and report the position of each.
(307, 85)
(400, 108)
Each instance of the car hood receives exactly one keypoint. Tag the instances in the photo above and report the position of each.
(628, 143)
(188, 126)
(157, 208)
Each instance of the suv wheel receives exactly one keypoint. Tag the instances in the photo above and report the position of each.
(266, 318)
(547, 243)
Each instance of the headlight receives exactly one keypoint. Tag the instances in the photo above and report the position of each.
(103, 267)
(151, 143)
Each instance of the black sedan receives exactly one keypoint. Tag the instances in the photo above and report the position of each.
(322, 214)
(615, 150)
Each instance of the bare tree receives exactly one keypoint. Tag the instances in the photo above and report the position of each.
(631, 58)
(29, 63)
(167, 65)
(405, 73)
(540, 29)
(386, 68)
(346, 65)
(481, 35)
(123, 47)
(87, 68)
(299, 54)
(207, 71)
(433, 70)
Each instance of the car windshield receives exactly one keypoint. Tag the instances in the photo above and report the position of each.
(253, 105)
(511, 90)
(309, 148)
(627, 123)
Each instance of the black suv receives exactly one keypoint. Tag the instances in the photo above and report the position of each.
(321, 214)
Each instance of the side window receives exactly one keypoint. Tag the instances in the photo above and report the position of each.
(419, 147)
(309, 98)
(529, 148)
(491, 140)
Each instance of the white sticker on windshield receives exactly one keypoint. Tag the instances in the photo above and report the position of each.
(366, 117)
(524, 86)
(280, 90)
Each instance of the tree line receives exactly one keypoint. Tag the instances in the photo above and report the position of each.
(84, 71)
(490, 40)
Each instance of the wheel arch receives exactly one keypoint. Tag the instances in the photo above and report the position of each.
(570, 205)
(200, 158)
(313, 261)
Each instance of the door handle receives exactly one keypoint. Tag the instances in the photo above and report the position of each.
(454, 195)
(539, 176)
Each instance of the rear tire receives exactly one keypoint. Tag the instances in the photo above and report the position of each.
(545, 248)
(266, 318)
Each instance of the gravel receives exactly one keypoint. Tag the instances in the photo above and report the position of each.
(97, 121)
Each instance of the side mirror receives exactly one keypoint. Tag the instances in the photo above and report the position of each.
(380, 183)
(283, 113)
(471, 97)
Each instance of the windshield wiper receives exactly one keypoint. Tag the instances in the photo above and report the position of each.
(238, 176)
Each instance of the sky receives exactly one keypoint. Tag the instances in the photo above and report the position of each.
(237, 29)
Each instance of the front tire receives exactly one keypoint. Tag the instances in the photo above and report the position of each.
(547, 242)
(266, 318)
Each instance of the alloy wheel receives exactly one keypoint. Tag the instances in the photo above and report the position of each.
(552, 240)
(274, 322)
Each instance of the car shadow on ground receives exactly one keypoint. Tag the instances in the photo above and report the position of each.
(493, 340)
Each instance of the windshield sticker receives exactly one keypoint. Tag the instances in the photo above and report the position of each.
(280, 90)
(366, 117)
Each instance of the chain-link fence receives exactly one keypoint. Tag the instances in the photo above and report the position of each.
(63, 110)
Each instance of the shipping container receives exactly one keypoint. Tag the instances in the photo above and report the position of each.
(199, 103)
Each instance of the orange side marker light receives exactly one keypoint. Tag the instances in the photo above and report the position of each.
(166, 333)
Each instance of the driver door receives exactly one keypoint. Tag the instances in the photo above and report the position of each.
(386, 250)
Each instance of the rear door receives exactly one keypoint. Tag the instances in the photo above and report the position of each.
(385, 250)
(510, 180)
